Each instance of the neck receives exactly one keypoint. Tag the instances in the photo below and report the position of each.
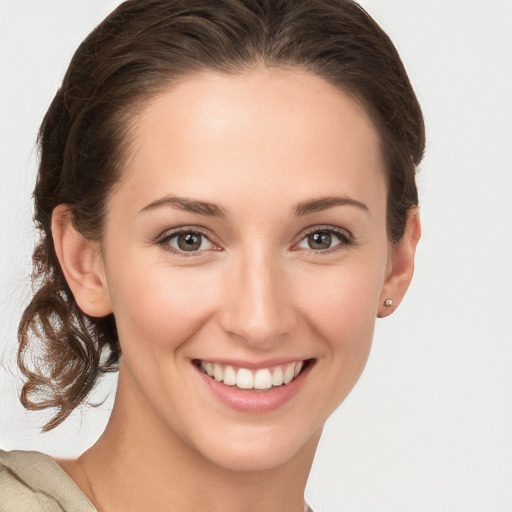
(140, 464)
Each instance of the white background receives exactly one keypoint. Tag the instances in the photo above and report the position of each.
(429, 425)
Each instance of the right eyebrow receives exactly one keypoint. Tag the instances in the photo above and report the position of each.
(188, 205)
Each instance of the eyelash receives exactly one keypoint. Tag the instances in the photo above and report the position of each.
(164, 239)
(345, 238)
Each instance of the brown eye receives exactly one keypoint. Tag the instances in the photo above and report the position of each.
(187, 241)
(319, 240)
(322, 240)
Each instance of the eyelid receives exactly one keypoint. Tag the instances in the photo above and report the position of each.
(163, 238)
(347, 238)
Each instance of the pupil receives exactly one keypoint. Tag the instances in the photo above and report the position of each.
(319, 240)
(189, 242)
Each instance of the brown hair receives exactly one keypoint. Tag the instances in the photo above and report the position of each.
(142, 47)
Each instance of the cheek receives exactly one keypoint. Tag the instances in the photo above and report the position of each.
(159, 307)
(343, 304)
(341, 307)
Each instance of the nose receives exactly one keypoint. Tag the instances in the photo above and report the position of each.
(257, 308)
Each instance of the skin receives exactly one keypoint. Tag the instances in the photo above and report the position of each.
(256, 145)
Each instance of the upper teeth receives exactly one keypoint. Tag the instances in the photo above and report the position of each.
(244, 378)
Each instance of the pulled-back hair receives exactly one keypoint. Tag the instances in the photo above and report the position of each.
(138, 51)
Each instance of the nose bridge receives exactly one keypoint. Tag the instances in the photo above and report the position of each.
(258, 308)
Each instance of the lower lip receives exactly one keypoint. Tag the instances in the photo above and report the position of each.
(253, 400)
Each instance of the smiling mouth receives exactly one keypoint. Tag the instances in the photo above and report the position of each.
(263, 379)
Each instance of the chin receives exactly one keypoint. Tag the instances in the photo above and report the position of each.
(259, 449)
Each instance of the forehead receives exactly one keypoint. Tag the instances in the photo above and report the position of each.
(280, 130)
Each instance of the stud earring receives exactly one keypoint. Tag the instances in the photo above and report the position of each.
(389, 303)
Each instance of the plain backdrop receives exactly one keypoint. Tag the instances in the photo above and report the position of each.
(429, 425)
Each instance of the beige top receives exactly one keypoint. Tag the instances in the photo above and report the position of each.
(34, 482)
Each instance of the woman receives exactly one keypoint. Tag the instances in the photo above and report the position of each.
(226, 197)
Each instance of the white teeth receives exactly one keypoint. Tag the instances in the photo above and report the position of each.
(229, 376)
(243, 378)
(277, 377)
(263, 379)
(289, 373)
(218, 374)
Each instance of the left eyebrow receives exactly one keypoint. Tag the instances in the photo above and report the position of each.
(323, 203)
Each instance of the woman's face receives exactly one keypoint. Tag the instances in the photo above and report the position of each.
(247, 238)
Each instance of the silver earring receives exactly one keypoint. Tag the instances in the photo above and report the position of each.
(389, 303)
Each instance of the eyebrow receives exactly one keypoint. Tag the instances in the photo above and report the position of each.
(204, 208)
(323, 203)
(187, 205)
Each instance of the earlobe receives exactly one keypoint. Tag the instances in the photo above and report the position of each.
(82, 264)
(401, 266)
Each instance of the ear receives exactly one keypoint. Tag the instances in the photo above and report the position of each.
(82, 264)
(401, 266)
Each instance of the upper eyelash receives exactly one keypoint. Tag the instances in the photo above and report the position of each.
(329, 229)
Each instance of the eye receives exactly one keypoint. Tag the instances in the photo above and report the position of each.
(188, 241)
(321, 240)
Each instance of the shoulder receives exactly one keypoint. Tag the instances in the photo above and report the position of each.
(34, 482)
